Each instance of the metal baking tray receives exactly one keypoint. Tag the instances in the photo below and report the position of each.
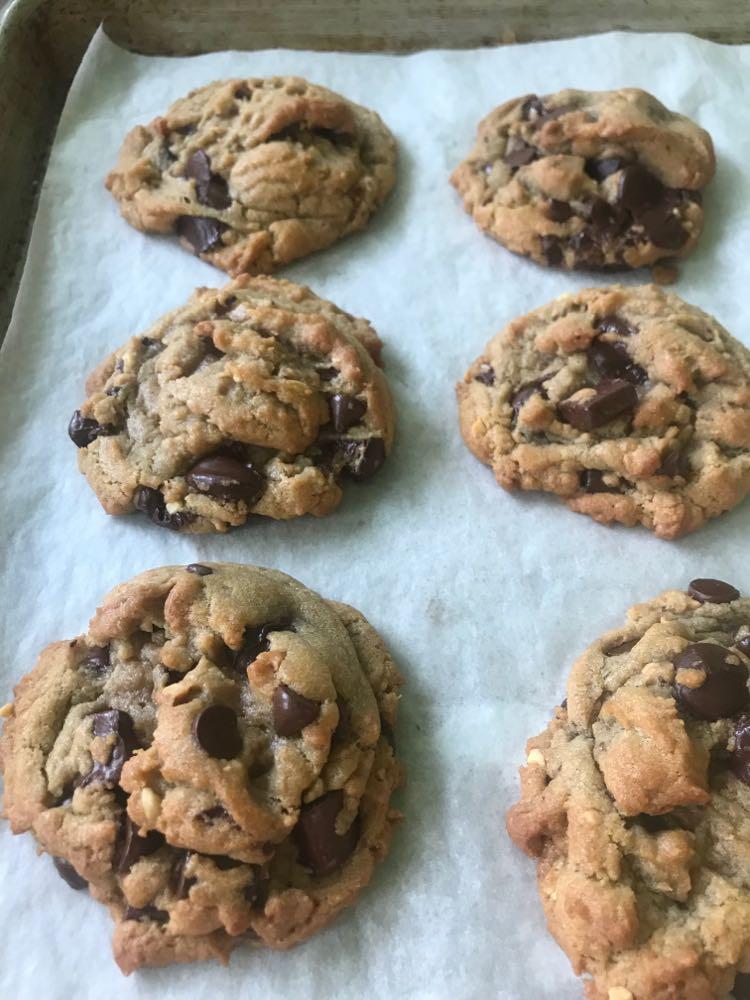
(42, 43)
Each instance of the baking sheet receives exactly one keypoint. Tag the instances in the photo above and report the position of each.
(484, 598)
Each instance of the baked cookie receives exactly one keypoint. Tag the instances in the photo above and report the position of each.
(628, 403)
(588, 179)
(252, 174)
(257, 398)
(635, 801)
(214, 758)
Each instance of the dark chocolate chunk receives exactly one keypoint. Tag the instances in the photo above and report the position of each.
(599, 169)
(202, 234)
(558, 211)
(638, 189)
(614, 324)
(612, 360)
(254, 642)
(292, 711)
(551, 249)
(621, 647)
(346, 411)
(321, 848)
(485, 375)
(592, 481)
(199, 569)
(740, 759)
(362, 458)
(709, 591)
(67, 872)
(210, 188)
(521, 154)
(141, 913)
(83, 430)
(225, 478)
(607, 220)
(525, 392)
(112, 722)
(131, 846)
(724, 691)
(663, 228)
(151, 502)
(215, 730)
(611, 399)
(96, 659)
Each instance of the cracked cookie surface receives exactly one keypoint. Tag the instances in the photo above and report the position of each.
(635, 802)
(252, 174)
(628, 403)
(255, 399)
(588, 179)
(214, 757)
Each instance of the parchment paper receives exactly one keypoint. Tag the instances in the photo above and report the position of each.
(484, 598)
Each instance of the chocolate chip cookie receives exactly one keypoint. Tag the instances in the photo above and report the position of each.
(252, 174)
(628, 403)
(588, 179)
(635, 801)
(214, 758)
(258, 398)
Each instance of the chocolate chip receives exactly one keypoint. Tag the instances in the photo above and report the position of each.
(67, 872)
(612, 360)
(551, 250)
(674, 463)
(151, 502)
(663, 228)
(709, 591)
(183, 882)
(740, 759)
(210, 188)
(83, 430)
(202, 234)
(96, 659)
(254, 642)
(346, 411)
(321, 848)
(724, 691)
(611, 399)
(558, 211)
(620, 648)
(141, 913)
(292, 711)
(132, 847)
(638, 188)
(598, 170)
(614, 324)
(592, 481)
(531, 106)
(199, 569)
(112, 722)
(362, 458)
(215, 730)
(521, 154)
(224, 478)
(485, 375)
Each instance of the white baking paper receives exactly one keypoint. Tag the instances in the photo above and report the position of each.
(484, 598)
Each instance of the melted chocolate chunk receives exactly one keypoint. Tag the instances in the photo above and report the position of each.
(612, 360)
(215, 730)
(606, 220)
(67, 872)
(202, 234)
(638, 189)
(592, 481)
(521, 154)
(362, 459)
(709, 591)
(224, 478)
(320, 847)
(199, 569)
(112, 722)
(674, 463)
(151, 502)
(255, 641)
(292, 711)
(485, 375)
(598, 170)
(83, 430)
(346, 411)
(611, 399)
(210, 188)
(663, 228)
(525, 392)
(132, 847)
(558, 211)
(724, 691)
